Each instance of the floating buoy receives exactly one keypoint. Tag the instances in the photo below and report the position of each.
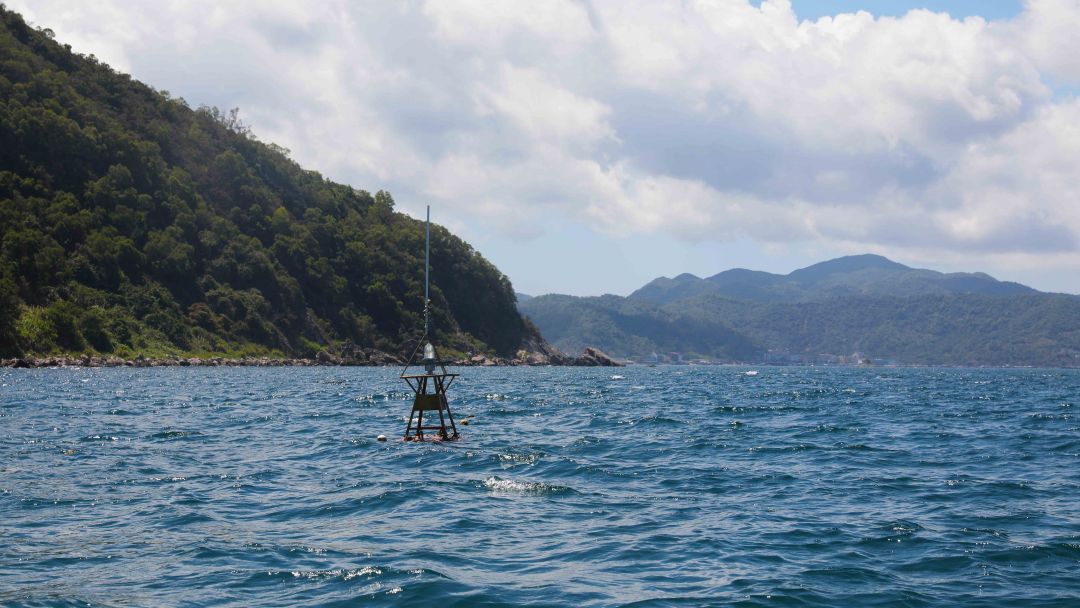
(381, 438)
(429, 387)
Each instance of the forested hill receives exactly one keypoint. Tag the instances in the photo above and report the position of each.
(853, 275)
(848, 309)
(131, 223)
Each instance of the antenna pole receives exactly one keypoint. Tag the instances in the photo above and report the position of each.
(427, 269)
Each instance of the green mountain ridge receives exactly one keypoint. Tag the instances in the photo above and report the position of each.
(869, 275)
(828, 312)
(131, 223)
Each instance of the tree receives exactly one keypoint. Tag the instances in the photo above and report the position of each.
(10, 309)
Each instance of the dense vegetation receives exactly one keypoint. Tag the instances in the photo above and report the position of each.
(841, 311)
(131, 223)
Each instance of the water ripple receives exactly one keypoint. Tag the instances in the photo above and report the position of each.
(681, 486)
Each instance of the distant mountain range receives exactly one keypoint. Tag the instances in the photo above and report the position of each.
(856, 275)
(845, 310)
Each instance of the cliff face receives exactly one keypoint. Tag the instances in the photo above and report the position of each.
(131, 223)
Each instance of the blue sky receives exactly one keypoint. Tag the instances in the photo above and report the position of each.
(987, 9)
(587, 147)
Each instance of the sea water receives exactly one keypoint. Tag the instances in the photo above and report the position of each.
(666, 486)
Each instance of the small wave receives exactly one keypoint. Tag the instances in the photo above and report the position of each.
(41, 502)
(1030, 554)
(1013, 486)
(372, 576)
(848, 575)
(187, 519)
(386, 396)
(904, 527)
(656, 419)
(857, 446)
(512, 457)
(938, 564)
(728, 409)
(833, 428)
(514, 486)
(1048, 417)
(767, 449)
(174, 434)
(901, 531)
(344, 574)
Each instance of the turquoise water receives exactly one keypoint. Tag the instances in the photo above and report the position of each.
(668, 486)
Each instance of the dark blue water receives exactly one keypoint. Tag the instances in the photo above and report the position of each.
(665, 487)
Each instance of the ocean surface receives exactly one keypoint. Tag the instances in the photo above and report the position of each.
(666, 486)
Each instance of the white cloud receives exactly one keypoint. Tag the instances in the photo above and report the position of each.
(562, 25)
(544, 111)
(1019, 192)
(921, 136)
(1047, 32)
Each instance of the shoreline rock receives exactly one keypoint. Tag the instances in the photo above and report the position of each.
(594, 357)
(349, 357)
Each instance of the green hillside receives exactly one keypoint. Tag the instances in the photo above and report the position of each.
(132, 223)
(863, 304)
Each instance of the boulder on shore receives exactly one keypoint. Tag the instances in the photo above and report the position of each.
(482, 360)
(351, 354)
(325, 358)
(539, 352)
(595, 357)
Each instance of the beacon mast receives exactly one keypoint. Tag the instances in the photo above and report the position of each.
(429, 388)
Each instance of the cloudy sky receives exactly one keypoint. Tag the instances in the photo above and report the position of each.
(587, 146)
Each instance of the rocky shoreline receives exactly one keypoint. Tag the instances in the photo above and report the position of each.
(359, 357)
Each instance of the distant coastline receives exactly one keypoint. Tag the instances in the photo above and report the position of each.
(591, 357)
(849, 310)
(71, 361)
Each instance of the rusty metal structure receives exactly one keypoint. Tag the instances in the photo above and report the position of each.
(429, 388)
